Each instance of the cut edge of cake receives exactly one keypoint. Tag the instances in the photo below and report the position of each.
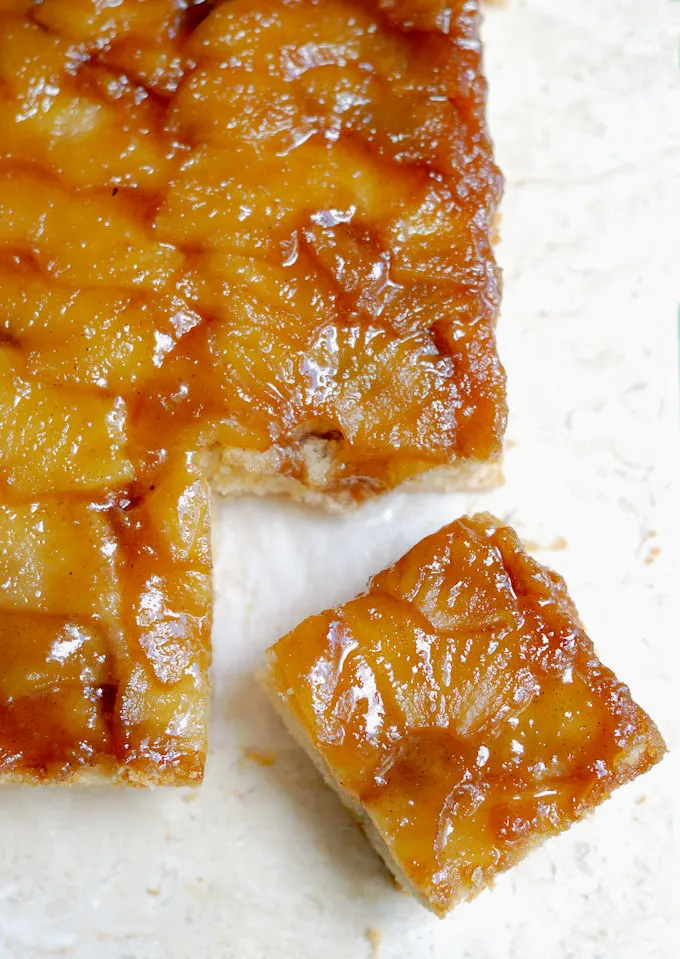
(234, 472)
(354, 806)
(103, 774)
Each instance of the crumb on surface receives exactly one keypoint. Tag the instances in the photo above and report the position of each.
(263, 757)
(374, 937)
(395, 882)
(558, 543)
(652, 554)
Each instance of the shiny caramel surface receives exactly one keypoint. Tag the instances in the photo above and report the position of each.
(222, 224)
(461, 706)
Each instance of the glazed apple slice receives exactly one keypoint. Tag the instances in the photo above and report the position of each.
(57, 440)
(459, 709)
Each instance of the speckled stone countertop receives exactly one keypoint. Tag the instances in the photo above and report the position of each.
(263, 861)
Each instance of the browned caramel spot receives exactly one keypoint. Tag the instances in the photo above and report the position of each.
(263, 757)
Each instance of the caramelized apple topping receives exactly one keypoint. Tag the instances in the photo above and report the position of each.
(252, 226)
(460, 707)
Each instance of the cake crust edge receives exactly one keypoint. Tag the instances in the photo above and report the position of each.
(233, 472)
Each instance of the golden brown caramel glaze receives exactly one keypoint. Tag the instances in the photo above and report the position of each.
(248, 226)
(459, 707)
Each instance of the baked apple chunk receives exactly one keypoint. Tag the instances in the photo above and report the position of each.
(246, 242)
(459, 709)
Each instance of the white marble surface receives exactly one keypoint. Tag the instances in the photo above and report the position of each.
(263, 862)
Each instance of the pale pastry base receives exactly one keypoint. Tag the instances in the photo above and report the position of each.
(103, 774)
(238, 471)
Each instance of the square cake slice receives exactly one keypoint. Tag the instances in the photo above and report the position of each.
(459, 709)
